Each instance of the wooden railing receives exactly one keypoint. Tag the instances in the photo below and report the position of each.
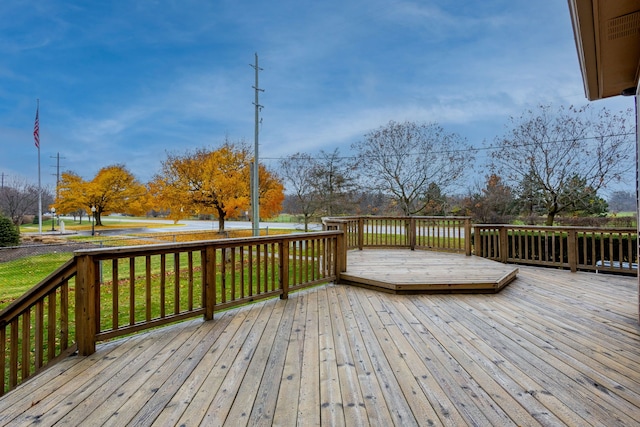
(575, 248)
(35, 328)
(106, 293)
(414, 232)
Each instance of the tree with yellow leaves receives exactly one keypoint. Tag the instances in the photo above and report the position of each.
(113, 189)
(213, 182)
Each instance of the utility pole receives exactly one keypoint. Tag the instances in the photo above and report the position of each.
(57, 175)
(255, 194)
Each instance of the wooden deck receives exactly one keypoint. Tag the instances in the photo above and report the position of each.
(552, 348)
(404, 271)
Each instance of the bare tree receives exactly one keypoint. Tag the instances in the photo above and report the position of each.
(321, 185)
(405, 159)
(553, 149)
(298, 170)
(18, 198)
(335, 183)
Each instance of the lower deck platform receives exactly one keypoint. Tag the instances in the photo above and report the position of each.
(405, 271)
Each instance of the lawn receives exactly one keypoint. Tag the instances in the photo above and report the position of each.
(16, 277)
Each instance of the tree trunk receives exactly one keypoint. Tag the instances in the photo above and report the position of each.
(552, 211)
(221, 215)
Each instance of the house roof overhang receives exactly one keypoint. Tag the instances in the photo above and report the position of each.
(607, 35)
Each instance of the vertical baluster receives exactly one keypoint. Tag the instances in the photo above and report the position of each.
(3, 356)
(26, 343)
(284, 269)
(315, 258)
(259, 250)
(294, 265)
(64, 317)
(132, 291)
(241, 271)
(147, 275)
(209, 264)
(308, 244)
(190, 289)
(176, 283)
(13, 354)
(223, 275)
(264, 265)
(594, 256)
(39, 334)
(234, 293)
(602, 244)
(163, 276)
(114, 297)
(51, 325)
(274, 268)
(250, 272)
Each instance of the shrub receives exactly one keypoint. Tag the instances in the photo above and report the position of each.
(9, 234)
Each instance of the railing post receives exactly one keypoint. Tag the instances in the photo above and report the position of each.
(284, 269)
(503, 245)
(572, 250)
(341, 254)
(412, 233)
(209, 291)
(467, 236)
(477, 241)
(86, 303)
(360, 233)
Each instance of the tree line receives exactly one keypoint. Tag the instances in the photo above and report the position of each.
(549, 162)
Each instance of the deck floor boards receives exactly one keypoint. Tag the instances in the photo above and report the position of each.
(551, 348)
(404, 271)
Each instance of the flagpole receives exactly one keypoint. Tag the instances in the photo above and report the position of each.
(36, 138)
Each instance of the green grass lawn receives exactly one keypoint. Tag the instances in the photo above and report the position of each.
(16, 277)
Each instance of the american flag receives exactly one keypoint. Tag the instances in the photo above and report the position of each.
(36, 129)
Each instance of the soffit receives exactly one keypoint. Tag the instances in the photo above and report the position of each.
(607, 34)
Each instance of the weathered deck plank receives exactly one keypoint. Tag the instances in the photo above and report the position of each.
(552, 348)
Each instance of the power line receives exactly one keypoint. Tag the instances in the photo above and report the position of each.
(477, 149)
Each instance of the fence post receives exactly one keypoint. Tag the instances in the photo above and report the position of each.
(360, 233)
(284, 268)
(503, 244)
(209, 288)
(572, 250)
(467, 236)
(86, 303)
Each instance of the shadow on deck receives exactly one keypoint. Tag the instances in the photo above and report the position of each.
(404, 271)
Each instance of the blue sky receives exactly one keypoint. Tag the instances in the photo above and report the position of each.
(125, 82)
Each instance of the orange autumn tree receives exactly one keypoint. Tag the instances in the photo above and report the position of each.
(71, 197)
(271, 193)
(113, 189)
(213, 182)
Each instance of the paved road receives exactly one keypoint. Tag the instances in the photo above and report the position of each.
(196, 225)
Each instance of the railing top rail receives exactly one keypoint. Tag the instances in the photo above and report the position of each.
(64, 272)
(160, 248)
(347, 218)
(557, 228)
